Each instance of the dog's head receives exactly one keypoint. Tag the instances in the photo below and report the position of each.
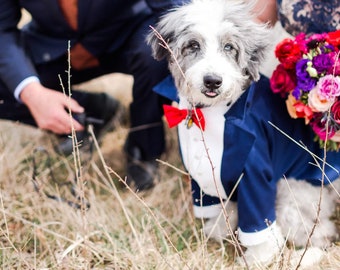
(214, 49)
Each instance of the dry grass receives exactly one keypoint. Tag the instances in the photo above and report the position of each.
(122, 229)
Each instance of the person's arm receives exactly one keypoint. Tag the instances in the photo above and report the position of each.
(48, 107)
(15, 65)
(266, 11)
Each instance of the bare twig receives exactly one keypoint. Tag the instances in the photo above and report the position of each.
(166, 46)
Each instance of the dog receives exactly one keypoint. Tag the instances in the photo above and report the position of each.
(246, 174)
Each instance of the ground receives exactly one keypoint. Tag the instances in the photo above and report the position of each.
(121, 229)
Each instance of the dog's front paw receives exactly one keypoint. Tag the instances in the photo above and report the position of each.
(265, 253)
(262, 255)
(222, 227)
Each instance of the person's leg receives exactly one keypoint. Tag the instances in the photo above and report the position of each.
(98, 106)
(146, 139)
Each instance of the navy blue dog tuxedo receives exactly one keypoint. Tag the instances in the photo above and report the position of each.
(241, 143)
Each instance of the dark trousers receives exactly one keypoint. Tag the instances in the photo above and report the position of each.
(133, 58)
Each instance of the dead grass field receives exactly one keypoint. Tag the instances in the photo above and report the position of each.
(122, 229)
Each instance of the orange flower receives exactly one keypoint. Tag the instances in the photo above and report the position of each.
(290, 101)
(298, 109)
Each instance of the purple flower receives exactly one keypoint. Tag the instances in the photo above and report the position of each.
(304, 81)
(327, 48)
(329, 87)
(296, 93)
(323, 62)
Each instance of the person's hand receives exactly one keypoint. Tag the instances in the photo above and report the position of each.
(49, 108)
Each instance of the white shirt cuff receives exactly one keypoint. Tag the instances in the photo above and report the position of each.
(258, 237)
(23, 84)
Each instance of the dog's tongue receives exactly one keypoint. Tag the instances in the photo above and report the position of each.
(211, 94)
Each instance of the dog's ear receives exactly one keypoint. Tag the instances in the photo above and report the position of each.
(162, 37)
(257, 41)
(256, 58)
(257, 49)
(254, 42)
(159, 42)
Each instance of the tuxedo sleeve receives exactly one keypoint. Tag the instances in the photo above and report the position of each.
(257, 188)
(15, 64)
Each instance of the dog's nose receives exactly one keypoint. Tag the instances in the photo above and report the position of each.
(212, 82)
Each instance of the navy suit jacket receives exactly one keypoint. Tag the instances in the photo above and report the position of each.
(252, 146)
(103, 26)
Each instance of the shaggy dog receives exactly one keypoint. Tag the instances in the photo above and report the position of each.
(229, 141)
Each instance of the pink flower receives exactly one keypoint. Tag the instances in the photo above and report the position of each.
(335, 70)
(328, 87)
(308, 76)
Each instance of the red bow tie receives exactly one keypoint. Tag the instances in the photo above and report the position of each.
(174, 116)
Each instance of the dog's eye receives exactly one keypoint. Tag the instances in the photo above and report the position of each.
(194, 46)
(228, 47)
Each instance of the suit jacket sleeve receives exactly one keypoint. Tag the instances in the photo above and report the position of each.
(15, 63)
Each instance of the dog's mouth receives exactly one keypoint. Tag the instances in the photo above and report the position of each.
(210, 94)
(212, 83)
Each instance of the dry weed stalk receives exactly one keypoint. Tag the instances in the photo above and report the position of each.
(80, 181)
(320, 163)
(234, 240)
(321, 166)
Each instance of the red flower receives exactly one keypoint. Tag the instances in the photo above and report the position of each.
(334, 38)
(282, 81)
(303, 111)
(306, 64)
(288, 52)
(336, 111)
(320, 129)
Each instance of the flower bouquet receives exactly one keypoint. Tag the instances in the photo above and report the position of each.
(308, 76)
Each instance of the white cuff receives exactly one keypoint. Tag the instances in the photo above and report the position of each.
(256, 238)
(23, 84)
(207, 211)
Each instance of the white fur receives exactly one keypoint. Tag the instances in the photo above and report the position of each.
(221, 226)
(230, 49)
(296, 208)
(218, 38)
